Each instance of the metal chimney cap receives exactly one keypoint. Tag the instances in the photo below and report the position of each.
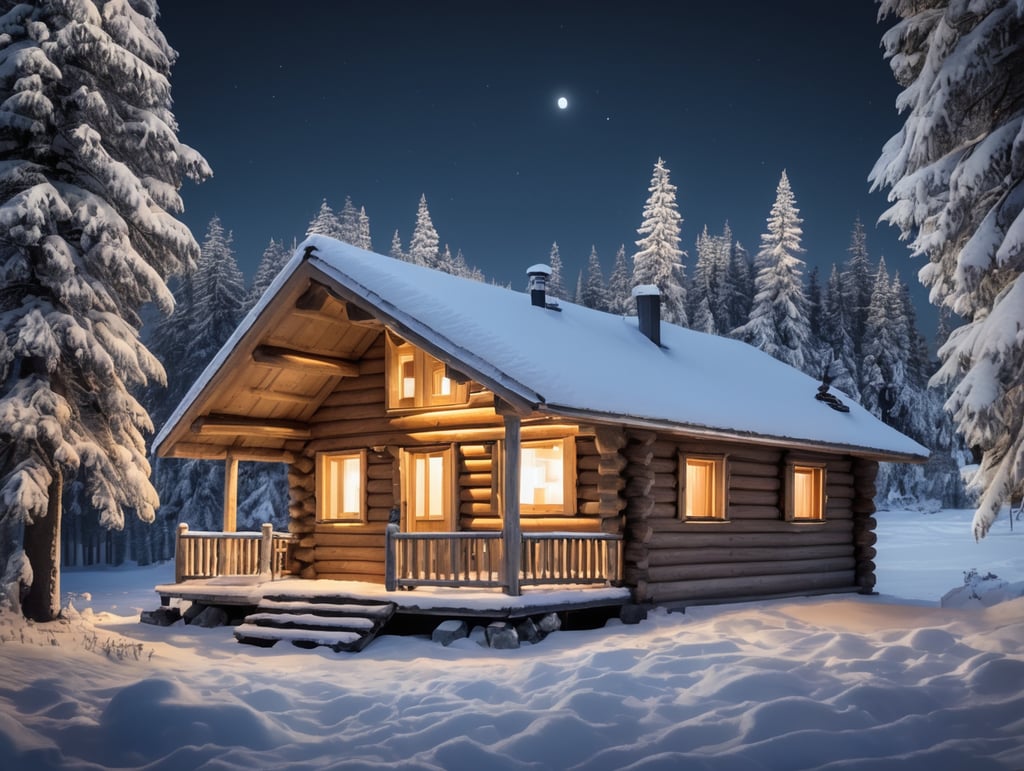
(643, 290)
(540, 269)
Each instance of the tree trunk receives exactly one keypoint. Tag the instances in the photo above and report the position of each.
(42, 547)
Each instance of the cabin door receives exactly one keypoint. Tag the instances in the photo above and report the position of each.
(428, 480)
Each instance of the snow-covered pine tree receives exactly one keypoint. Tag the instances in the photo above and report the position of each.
(739, 293)
(348, 222)
(445, 261)
(659, 258)
(857, 280)
(594, 291)
(423, 249)
(396, 248)
(956, 177)
(89, 189)
(556, 282)
(275, 256)
(324, 222)
(884, 363)
(778, 318)
(620, 285)
(219, 294)
(363, 239)
(835, 336)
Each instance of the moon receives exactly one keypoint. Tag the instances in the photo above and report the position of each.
(562, 103)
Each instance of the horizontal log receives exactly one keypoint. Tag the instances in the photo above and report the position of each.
(664, 510)
(240, 425)
(481, 451)
(476, 509)
(480, 479)
(338, 528)
(383, 469)
(674, 532)
(724, 588)
(724, 555)
(354, 397)
(374, 410)
(349, 553)
(639, 455)
(747, 511)
(863, 506)
(743, 468)
(350, 537)
(609, 439)
(368, 578)
(476, 495)
(603, 508)
(424, 421)
(753, 497)
(380, 486)
(386, 437)
(667, 573)
(539, 524)
(365, 382)
(350, 567)
(739, 482)
(289, 358)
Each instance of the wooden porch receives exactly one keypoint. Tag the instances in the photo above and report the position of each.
(209, 564)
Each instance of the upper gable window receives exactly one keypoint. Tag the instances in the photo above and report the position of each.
(702, 482)
(415, 379)
(805, 500)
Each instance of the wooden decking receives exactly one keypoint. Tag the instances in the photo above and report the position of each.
(424, 601)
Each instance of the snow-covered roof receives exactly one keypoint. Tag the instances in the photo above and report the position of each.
(583, 363)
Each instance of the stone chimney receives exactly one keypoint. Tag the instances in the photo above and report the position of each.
(648, 311)
(538, 285)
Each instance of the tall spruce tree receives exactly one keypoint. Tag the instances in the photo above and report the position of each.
(594, 291)
(363, 239)
(956, 177)
(556, 281)
(92, 166)
(325, 222)
(620, 285)
(778, 318)
(424, 246)
(835, 336)
(658, 260)
(348, 222)
(857, 283)
(274, 258)
(396, 248)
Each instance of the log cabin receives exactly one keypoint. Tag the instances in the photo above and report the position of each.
(441, 431)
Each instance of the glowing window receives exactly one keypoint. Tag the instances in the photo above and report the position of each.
(340, 487)
(418, 380)
(546, 477)
(807, 492)
(703, 481)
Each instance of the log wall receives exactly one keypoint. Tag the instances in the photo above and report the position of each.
(754, 552)
(354, 416)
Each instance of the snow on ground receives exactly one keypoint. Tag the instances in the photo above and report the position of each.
(841, 682)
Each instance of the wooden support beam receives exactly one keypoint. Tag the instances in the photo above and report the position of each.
(280, 396)
(237, 425)
(511, 530)
(230, 494)
(215, 452)
(287, 358)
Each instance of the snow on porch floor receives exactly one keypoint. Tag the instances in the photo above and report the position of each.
(425, 600)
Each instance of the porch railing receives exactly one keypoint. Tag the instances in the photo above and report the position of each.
(442, 559)
(475, 559)
(200, 554)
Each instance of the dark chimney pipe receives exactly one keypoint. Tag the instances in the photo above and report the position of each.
(538, 285)
(648, 311)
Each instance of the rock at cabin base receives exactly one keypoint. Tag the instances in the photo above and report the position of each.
(192, 611)
(550, 623)
(528, 631)
(160, 616)
(632, 614)
(448, 632)
(211, 617)
(502, 636)
(479, 635)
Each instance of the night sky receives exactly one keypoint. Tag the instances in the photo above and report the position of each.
(296, 102)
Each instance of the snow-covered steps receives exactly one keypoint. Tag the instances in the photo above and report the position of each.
(339, 623)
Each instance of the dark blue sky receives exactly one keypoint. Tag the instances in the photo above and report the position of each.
(383, 101)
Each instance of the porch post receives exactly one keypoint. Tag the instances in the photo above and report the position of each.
(230, 493)
(511, 533)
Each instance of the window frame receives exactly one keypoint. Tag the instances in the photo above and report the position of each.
(448, 520)
(424, 371)
(323, 461)
(567, 508)
(720, 505)
(819, 473)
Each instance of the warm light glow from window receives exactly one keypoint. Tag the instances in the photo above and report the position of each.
(407, 373)
(428, 471)
(442, 386)
(415, 379)
(808, 492)
(703, 495)
(340, 495)
(542, 475)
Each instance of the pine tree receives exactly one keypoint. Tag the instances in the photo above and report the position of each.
(396, 248)
(92, 166)
(325, 222)
(835, 337)
(219, 296)
(957, 183)
(348, 222)
(778, 319)
(857, 282)
(274, 258)
(620, 285)
(594, 293)
(363, 239)
(739, 293)
(445, 261)
(423, 249)
(556, 284)
(659, 259)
